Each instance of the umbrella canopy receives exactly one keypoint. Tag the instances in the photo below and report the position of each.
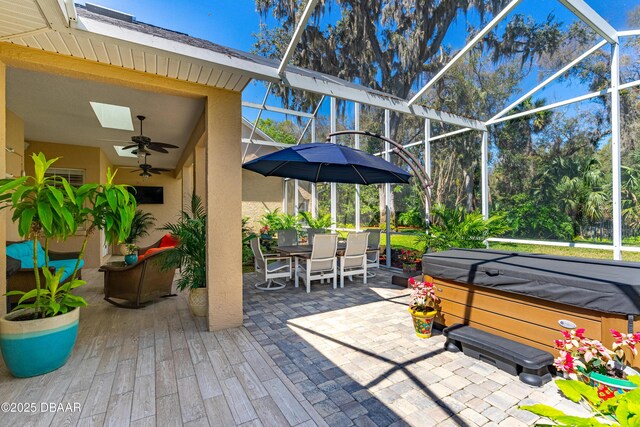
(325, 162)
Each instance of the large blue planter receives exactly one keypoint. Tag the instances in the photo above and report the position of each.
(35, 347)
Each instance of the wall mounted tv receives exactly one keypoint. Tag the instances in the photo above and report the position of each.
(148, 195)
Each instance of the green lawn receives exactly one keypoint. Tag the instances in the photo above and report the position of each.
(407, 241)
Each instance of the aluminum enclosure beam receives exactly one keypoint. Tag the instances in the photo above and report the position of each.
(495, 21)
(547, 81)
(333, 118)
(297, 34)
(615, 152)
(312, 84)
(387, 189)
(312, 120)
(484, 173)
(276, 109)
(582, 10)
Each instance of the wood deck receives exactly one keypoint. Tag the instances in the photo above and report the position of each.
(136, 367)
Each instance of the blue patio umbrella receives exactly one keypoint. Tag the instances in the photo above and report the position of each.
(326, 162)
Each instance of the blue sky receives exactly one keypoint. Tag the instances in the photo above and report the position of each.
(232, 23)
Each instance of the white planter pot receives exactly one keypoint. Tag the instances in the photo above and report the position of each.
(198, 301)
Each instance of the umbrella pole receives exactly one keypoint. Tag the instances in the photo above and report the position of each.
(420, 173)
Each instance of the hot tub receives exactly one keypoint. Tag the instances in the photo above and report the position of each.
(523, 296)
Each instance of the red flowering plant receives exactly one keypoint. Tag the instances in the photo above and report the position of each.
(423, 297)
(581, 354)
(265, 230)
(409, 256)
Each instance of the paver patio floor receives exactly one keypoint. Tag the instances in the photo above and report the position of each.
(339, 357)
(353, 354)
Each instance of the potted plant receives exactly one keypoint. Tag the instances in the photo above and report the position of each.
(39, 335)
(140, 225)
(590, 361)
(423, 306)
(321, 223)
(410, 259)
(623, 411)
(131, 254)
(190, 254)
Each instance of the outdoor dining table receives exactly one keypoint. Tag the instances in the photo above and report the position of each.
(305, 250)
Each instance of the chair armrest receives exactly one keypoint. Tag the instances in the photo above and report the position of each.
(106, 267)
(63, 255)
(283, 258)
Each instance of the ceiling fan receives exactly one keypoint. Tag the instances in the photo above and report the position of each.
(147, 170)
(143, 144)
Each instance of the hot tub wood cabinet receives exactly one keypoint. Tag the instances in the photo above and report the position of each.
(522, 296)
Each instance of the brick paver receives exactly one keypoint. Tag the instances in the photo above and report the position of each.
(353, 355)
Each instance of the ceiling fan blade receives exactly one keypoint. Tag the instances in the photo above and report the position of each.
(154, 171)
(163, 145)
(158, 149)
(162, 169)
(115, 140)
(129, 147)
(135, 170)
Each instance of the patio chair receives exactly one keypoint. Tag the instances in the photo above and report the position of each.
(373, 256)
(322, 264)
(270, 267)
(354, 260)
(138, 283)
(311, 232)
(288, 237)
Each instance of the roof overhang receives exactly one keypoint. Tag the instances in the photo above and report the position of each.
(60, 29)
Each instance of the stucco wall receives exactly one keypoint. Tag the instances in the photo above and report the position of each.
(259, 193)
(73, 157)
(164, 213)
(14, 161)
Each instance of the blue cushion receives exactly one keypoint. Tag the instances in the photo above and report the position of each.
(23, 252)
(68, 264)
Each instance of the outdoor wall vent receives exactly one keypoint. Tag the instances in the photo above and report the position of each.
(111, 13)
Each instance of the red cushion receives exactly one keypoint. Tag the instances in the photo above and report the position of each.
(168, 241)
(152, 251)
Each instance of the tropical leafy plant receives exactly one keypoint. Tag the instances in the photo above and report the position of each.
(414, 217)
(190, 254)
(276, 220)
(623, 408)
(140, 225)
(459, 228)
(323, 221)
(247, 235)
(48, 207)
(528, 218)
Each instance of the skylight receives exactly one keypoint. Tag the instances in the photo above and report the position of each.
(113, 116)
(124, 153)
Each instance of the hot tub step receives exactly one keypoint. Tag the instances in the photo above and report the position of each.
(529, 363)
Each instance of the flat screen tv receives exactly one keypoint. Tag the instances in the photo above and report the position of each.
(148, 195)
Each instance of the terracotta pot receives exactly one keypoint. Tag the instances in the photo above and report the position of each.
(198, 301)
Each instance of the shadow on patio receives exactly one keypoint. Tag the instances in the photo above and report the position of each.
(353, 354)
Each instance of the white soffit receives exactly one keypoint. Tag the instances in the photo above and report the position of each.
(20, 17)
